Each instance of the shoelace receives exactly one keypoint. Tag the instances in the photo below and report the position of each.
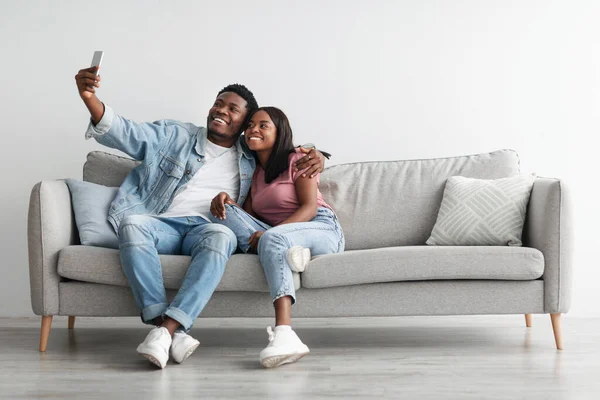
(271, 333)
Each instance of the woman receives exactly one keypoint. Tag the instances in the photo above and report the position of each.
(297, 222)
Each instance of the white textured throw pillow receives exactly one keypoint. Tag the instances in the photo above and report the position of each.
(480, 212)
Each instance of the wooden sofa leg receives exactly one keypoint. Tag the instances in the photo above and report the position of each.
(556, 327)
(45, 332)
(71, 322)
(528, 320)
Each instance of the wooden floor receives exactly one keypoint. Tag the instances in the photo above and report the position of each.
(479, 357)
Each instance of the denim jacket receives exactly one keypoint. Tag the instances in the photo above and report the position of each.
(171, 152)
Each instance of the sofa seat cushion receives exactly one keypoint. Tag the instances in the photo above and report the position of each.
(419, 263)
(101, 265)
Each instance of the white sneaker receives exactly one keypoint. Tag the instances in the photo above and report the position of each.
(284, 347)
(298, 258)
(183, 346)
(156, 346)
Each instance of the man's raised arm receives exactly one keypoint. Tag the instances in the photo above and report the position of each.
(109, 129)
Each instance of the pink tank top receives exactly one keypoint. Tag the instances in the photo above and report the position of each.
(276, 201)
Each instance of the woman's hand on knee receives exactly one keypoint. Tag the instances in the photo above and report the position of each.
(253, 241)
(217, 205)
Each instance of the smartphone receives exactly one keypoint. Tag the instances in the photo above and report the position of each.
(97, 59)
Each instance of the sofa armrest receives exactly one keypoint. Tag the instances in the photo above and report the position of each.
(548, 229)
(50, 228)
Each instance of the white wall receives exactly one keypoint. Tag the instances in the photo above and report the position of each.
(366, 80)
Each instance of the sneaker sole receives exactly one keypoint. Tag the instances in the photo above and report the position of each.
(276, 361)
(188, 353)
(153, 360)
(294, 267)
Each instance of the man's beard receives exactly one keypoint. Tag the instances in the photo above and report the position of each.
(216, 134)
(222, 136)
(213, 133)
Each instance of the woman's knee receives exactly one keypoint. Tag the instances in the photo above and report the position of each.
(233, 213)
(217, 220)
(230, 216)
(269, 240)
(271, 243)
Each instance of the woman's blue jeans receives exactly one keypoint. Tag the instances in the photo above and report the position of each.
(322, 235)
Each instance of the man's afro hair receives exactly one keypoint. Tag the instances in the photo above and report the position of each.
(243, 92)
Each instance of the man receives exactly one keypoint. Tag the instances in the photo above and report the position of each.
(163, 204)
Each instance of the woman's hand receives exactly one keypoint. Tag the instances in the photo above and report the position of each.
(217, 205)
(314, 161)
(253, 241)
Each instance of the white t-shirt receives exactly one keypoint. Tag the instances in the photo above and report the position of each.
(220, 173)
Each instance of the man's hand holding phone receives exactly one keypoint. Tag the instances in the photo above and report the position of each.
(88, 80)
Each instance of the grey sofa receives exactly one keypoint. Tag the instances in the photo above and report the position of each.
(387, 210)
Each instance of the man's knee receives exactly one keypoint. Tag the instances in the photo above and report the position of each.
(132, 225)
(223, 233)
(220, 237)
(136, 219)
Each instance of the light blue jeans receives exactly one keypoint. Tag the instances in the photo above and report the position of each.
(143, 237)
(322, 235)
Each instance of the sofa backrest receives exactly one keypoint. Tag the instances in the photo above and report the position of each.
(379, 204)
(395, 203)
(107, 169)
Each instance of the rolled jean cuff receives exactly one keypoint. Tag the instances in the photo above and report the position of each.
(280, 295)
(153, 311)
(181, 317)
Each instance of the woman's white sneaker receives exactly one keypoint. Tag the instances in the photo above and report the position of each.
(156, 346)
(298, 258)
(284, 347)
(183, 346)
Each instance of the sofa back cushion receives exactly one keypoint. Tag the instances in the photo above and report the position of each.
(107, 169)
(395, 203)
(379, 204)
